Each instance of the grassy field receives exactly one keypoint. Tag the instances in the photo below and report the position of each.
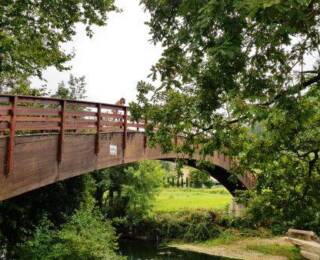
(175, 199)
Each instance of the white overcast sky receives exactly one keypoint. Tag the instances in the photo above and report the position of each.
(115, 59)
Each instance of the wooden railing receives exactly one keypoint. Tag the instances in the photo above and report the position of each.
(23, 115)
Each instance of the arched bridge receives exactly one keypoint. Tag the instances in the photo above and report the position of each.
(46, 140)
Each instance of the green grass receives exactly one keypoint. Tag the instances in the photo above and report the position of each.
(178, 199)
(231, 235)
(225, 238)
(290, 252)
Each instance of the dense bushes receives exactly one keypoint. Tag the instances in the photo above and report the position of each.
(193, 225)
(85, 236)
(267, 209)
(21, 215)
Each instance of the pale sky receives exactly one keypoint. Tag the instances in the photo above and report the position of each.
(115, 59)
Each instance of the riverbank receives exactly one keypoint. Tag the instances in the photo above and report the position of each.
(250, 248)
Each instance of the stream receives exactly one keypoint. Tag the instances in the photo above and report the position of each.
(148, 250)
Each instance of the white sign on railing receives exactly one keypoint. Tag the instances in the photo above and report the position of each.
(113, 150)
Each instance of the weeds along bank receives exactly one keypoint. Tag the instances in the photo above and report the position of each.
(186, 225)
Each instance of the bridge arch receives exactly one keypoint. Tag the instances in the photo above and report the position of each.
(45, 141)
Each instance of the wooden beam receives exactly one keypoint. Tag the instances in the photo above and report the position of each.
(125, 130)
(145, 133)
(62, 129)
(10, 152)
(97, 148)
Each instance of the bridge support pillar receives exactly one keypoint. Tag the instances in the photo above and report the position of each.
(236, 209)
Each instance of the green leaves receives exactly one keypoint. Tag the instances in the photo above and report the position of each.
(32, 33)
(236, 76)
(85, 236)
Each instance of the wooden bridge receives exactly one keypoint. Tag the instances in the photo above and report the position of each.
(46, 140)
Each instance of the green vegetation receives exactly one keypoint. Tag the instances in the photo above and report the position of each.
(290, 252)
(32, 34)
(242, 77)
(85, 236)
(225, 238)
(236, 76)
(127, 192)
(231, 235)
(187, 225)
(200, 179)
(175, 199)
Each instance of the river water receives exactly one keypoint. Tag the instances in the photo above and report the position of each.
(147, 250)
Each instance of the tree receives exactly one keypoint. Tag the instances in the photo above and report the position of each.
(200, 179)
(22, 86)
(75, 88)
(128, 192)
(242, 77)
(32, 33)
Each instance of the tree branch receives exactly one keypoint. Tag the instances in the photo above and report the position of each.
(297, 88)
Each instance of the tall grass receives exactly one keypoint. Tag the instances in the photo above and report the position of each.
(179, 199)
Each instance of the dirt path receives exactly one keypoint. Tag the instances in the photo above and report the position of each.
(237, 249)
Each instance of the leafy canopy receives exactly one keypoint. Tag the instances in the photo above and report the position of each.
(32, 33)
(242, 77)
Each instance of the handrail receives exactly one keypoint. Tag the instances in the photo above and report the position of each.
(29, 114)
(68, 100)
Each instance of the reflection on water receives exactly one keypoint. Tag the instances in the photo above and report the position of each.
(146, 250)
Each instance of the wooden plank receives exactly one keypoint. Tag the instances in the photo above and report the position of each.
(10, 151)
(145, 141)
(80, 124)
(4, 127)
(97, 148)
(5, 113)
(81, 121)
(112, 124)
(70, 113)
(37, 119)
(63, 105)
(125, 131)
(57, 101)
(5, 108)
(4, 99)
(5, 118)
(23, 111)
(107, 116)
(38, 128)
(38, 100)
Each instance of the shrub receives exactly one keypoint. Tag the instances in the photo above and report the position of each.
(190, 226)
(85, 236)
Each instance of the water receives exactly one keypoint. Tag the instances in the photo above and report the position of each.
(146, 250)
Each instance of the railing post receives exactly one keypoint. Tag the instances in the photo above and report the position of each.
(11, 144)
(97, 148)
(125, 117)
(145, 133)
(62, 129)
